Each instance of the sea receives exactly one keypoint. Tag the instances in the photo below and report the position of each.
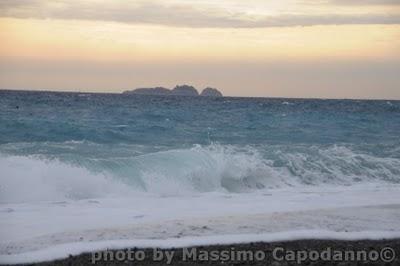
(76, 164)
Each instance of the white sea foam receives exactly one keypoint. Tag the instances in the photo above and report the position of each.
(49, 230)
(26, 179)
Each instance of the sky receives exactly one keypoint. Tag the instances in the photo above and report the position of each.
(267, 48)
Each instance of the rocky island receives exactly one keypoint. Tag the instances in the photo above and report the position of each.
(150, 91)
(179, 90)
(211, 92)
(184, 90)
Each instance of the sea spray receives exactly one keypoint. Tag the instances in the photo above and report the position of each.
(215, 167)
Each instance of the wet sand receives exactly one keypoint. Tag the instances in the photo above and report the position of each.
(284, 249)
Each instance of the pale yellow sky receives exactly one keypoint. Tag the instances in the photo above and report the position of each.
(291, 48)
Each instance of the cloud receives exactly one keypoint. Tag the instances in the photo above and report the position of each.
(352, 2)
(334, 19)
(366, 2)
(177, 14)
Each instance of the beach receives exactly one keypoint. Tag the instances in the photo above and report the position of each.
(277, 253)
(76, 227)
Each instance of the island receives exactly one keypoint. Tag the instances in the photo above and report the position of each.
(179, 90)
(184, 90)
(149, 91)
(211, 92)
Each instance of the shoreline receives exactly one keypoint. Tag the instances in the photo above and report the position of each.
(60, 252)
(283, 254)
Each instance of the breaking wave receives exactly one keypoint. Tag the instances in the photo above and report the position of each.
(225, 168)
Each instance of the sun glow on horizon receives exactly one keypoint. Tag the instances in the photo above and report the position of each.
(88, 40)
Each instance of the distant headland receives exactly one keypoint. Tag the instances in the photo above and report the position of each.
(180, 90)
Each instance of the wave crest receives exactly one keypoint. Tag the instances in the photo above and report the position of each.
(215, 167)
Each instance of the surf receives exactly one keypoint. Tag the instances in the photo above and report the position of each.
(198, 169)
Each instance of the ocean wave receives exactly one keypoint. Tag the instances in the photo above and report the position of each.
(225, 168)
(27, 179)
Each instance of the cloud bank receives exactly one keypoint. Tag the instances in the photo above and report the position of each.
(179, 14)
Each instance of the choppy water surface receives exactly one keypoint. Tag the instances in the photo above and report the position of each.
(74, 146)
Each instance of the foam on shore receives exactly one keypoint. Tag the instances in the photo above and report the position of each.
(65, 250)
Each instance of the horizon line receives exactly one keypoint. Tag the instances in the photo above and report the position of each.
(224, 96)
